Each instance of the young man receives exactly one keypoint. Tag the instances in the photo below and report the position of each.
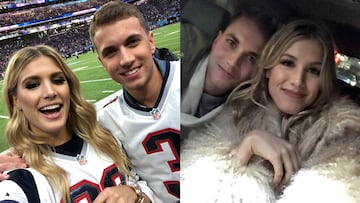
(226, 64)
(145, 114)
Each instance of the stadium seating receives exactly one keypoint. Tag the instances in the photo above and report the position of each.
(64, 25)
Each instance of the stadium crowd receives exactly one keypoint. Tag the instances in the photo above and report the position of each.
(46, 12)
(155, 10)
(66, 41)
(69, 40)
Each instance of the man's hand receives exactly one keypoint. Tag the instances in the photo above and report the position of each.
(8, 161)
(281, 154)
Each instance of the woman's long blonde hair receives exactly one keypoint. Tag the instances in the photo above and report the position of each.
(81, 120)
(256, 89)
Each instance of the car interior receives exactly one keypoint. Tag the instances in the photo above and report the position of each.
(341, 16)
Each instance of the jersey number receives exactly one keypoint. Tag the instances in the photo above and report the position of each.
(152, 144)
(87, 191)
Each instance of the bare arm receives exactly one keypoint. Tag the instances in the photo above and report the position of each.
(282, 155)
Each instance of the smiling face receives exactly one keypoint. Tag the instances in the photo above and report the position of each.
(233, 55)
(125, 49)
(294, 83)
(43, 95)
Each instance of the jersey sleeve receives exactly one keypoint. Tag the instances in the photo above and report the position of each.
(11, 192)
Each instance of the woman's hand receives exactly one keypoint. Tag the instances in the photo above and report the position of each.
(9, 161)
(281, 154)
(118, 194)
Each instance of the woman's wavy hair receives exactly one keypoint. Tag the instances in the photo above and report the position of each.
(81, 120)
(256, 89)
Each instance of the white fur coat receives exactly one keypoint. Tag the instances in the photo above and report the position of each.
(329, 148)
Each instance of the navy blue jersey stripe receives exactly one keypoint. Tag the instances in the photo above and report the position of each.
(26, 181)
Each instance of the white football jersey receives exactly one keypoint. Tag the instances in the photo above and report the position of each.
(89, 173)
(151, 137)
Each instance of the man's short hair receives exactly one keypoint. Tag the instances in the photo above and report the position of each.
(114, 11)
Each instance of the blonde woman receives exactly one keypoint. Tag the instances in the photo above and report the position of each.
(70, 157)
